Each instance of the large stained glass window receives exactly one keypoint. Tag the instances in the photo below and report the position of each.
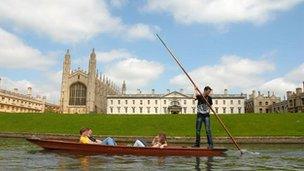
(78, 94)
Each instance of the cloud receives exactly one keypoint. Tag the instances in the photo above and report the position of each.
(140, 31)
(68, 20)
(288, 82)
(21, 85)
(118, 3)
(114, 54)
(231, 72)
(136, 72)
(14, 53)
(221, 11)
(48, 87)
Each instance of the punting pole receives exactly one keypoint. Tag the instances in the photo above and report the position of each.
(216, 115)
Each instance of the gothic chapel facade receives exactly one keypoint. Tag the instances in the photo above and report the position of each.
(82, 91)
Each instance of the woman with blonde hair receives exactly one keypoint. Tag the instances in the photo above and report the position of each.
(160, 141)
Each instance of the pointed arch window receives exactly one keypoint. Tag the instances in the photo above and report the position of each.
(78, 94)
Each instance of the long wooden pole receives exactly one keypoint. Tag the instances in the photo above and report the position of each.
(196, 88)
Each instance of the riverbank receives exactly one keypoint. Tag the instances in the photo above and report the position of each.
(240, 125)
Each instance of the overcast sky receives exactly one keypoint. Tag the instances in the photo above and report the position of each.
(233, 44)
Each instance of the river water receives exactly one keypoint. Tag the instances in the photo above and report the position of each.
(18, 154)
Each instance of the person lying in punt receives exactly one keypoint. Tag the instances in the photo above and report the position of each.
(159, 141)
(87, 138)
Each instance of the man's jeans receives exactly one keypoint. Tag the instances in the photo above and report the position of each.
(109, 141)
(200, 118)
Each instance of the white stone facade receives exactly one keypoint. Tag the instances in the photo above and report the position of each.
(171, 103)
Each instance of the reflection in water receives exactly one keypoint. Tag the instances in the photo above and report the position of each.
(160, 161)
(84, 162)
(18, 154)
(208, 163)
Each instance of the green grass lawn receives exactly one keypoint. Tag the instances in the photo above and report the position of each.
(148, 125)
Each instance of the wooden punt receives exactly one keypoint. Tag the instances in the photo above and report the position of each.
(75, 147)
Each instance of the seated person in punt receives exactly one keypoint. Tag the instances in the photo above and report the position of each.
(159, 141)
(87, 138)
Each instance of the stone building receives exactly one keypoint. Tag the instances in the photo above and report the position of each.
(293, 104)
(259, 103)
(51, 108)
(16, 102)
(82, 91)
(280, 107)
(175, 102)
(295, 100)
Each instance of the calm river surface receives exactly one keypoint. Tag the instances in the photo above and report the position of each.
(18, 154)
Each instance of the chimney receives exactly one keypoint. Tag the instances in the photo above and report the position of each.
(138, 91)
(259, 93)
(299, 90)
(153, 91)
(303, 84)
(29, 91)
(181, 90)
(123, 88)
(15, 90)
(268, 93)
(168, 90)
(225, 91)
(288, 93)
(253, 94)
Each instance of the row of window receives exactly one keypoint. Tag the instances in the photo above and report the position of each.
(294, 102)
(261, 110)
(224, 109)
(231, 102)
(283, 108)
(266, 103)
(18, 102)
(141, 102)
(165, 109)
(126, 109)
(165, 102)
(16, 109)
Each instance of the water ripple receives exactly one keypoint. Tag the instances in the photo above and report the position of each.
(17, 154)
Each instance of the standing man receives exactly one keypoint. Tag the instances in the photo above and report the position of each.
(203, 115)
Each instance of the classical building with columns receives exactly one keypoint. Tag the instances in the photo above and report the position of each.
(84, 91)
(175, 102)
(17, 102)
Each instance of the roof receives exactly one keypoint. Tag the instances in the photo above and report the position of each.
(20, 96)
(174, 94)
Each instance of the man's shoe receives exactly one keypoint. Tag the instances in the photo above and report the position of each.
(210, 147)
(195, 146)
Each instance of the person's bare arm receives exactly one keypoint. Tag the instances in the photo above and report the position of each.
(92, 142)
(154, 141)
(210, 106)
(156, 145)
(196, 93)
(164, 145)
